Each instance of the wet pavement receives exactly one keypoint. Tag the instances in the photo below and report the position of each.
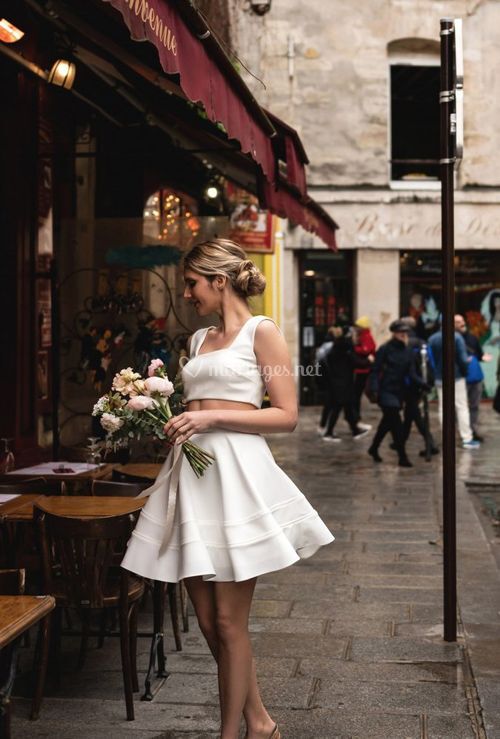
(349, 642)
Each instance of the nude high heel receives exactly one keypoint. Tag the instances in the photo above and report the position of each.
(276, 733)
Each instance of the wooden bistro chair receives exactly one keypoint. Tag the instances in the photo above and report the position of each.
(17, 545)
(77, 563)
(32, 485)
(118, 489)
(174, 591)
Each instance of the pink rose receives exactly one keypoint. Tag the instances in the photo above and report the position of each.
(159, 385)
(140, 403)
(154, 366)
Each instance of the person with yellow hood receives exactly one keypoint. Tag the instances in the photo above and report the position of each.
(364, 347)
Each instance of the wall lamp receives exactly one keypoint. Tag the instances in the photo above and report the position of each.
(261, 7)
(62, 74)
(9, 34)
(212, 192)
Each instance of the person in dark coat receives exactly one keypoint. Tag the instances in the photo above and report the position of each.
(341, 361)
(414, 392)
(387, 384)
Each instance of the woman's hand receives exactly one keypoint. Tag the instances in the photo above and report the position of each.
(180, 428)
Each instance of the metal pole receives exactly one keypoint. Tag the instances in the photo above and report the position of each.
(447, 161)
(425, 398)
(56, 366)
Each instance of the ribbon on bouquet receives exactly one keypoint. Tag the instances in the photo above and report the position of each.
(170, 477)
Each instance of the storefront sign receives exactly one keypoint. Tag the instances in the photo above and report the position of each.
(159, 25)
(251, 227)
(183, 52)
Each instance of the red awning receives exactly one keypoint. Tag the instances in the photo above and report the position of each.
(190, 52)
(304, 211)
(186, 47)
(289, 149)
(287, 197)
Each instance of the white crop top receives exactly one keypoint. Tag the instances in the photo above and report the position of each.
(230, 373)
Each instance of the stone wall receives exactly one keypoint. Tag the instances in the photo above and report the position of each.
(325, 66)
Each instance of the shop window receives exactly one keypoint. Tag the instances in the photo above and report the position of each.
(414, 123)
(170, 217)
(477, 298)
(325, 300)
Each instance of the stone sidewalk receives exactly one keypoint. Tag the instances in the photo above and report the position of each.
(348, 643)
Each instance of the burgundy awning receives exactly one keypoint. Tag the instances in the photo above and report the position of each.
(289, 149)
(304, 211)
(188, 49)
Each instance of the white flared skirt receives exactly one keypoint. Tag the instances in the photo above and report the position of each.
(243, 518)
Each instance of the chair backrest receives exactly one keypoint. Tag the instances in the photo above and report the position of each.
(125, 477)
(77, 554)
(118, 489)
(12, 582)
(32, 485)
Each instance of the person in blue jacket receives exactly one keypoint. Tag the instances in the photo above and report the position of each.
(475, 374)
(461, 369)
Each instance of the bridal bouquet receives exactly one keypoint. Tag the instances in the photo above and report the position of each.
(138, 406)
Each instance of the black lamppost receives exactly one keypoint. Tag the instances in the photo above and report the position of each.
(451, 100)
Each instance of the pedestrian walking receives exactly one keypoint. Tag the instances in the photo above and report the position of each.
(322, 375)
(415, 392)
(244, 517)
(365, 347)
(387, 384)
(461, 400)
(475, 375)
(341, 362)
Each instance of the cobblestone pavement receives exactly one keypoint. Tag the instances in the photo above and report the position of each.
(348, 643)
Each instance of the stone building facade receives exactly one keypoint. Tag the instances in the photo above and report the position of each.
(331, 70)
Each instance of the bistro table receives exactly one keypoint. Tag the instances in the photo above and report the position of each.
(89, 506)
(69, 471)
(19, 507)
(17, 614)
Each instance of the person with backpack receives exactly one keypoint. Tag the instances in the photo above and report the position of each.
(341, 361)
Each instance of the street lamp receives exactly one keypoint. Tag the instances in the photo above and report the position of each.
(261, 7)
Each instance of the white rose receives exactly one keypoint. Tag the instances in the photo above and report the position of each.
(159, 385)
(111, 423)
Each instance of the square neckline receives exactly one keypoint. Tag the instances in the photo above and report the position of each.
(224, 348)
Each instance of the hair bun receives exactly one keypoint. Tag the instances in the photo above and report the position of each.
(249, 280)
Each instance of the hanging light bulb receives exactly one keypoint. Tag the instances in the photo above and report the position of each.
(212, 192)
(62, 74)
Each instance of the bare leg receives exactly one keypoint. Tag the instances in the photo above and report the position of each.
(202, 594)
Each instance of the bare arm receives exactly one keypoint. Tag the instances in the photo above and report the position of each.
(274, 360)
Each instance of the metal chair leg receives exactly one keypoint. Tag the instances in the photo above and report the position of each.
(133, 646)
(126, 666)
(41, 661)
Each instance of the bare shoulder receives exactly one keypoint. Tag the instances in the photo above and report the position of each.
(269, 339)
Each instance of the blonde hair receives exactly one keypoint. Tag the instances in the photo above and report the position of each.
(224, 257)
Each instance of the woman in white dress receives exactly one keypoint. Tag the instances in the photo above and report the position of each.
(244, 517)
